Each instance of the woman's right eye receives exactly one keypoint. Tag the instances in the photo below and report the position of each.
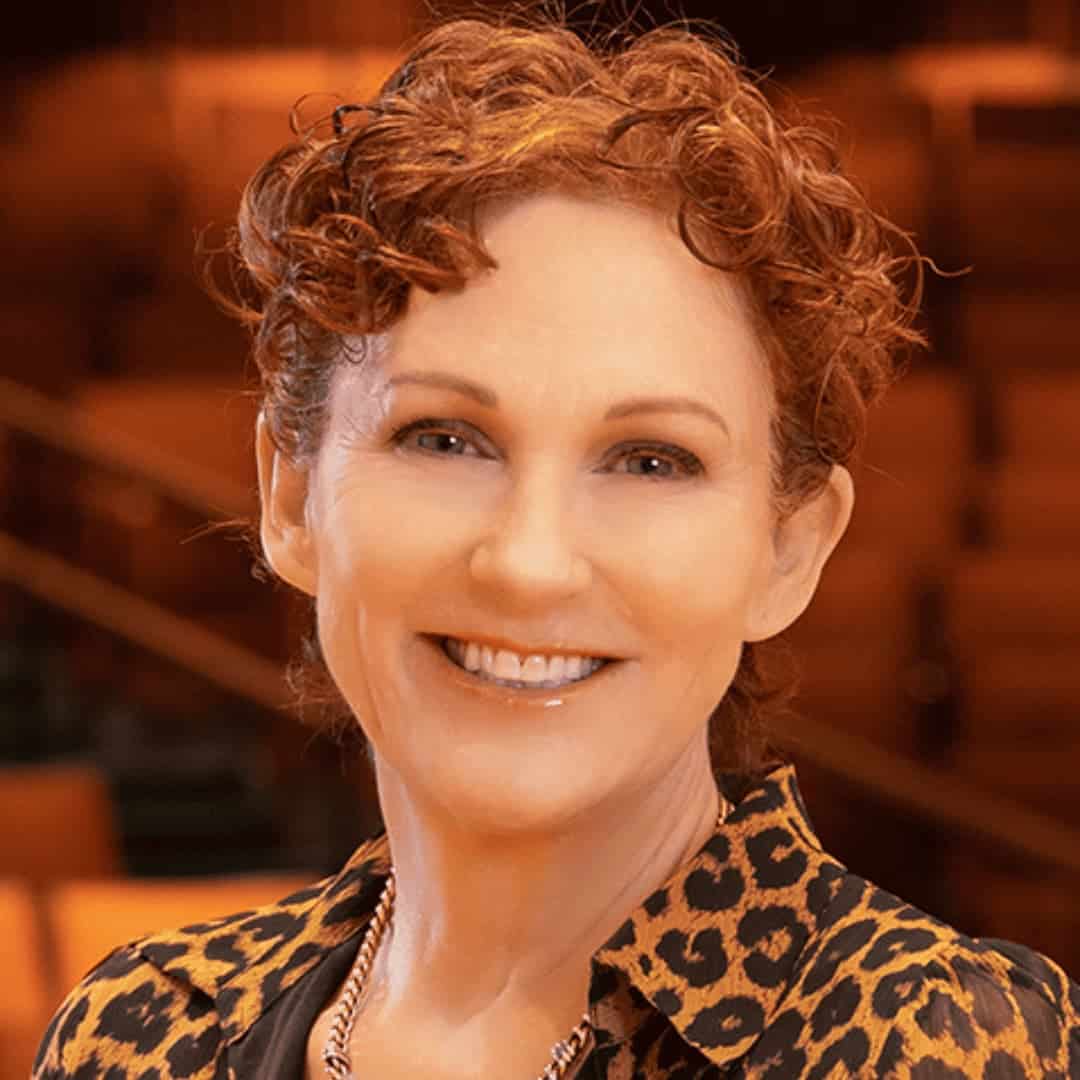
(443, 437)
(441, 442)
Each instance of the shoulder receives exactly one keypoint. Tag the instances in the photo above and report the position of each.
(889, 991)
(125, 1018)
(167, 1004)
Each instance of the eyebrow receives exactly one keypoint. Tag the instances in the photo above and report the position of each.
(631, 407)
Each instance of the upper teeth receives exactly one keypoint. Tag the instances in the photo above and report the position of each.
(534, 668)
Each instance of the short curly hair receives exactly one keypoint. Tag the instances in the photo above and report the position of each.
(336, 228)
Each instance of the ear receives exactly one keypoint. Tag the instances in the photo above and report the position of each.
(802, 544)
(284, 527)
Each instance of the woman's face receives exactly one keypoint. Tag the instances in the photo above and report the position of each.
(569, 456)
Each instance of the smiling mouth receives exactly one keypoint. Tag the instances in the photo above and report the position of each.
(447, 647)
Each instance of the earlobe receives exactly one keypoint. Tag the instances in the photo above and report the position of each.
(283, 525)
(802, 546)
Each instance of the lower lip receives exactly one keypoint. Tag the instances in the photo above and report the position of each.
(538, 695)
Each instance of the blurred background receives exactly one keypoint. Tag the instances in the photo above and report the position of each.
(148, 774)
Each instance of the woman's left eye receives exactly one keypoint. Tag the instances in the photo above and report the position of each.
(659, 459)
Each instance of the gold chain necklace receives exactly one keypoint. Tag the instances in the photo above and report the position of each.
(336, 1056)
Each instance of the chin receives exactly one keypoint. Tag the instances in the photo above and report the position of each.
(479, 792)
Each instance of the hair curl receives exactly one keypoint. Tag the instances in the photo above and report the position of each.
(336, 228)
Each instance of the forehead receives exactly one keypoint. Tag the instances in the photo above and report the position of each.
(593, 300)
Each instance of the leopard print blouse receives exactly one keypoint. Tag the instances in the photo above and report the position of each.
(760, 957)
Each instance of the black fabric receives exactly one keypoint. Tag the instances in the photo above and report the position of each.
(275, 1045)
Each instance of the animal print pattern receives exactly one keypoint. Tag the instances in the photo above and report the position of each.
(762, 957)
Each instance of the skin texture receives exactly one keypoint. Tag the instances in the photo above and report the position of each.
(539, 523)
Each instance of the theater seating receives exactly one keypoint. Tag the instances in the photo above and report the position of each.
(58, 823)
(915, 476)
(26, 998)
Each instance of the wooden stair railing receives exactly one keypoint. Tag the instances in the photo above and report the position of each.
(66, 428)
(147, 625)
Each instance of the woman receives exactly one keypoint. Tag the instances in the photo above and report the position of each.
(565, 354)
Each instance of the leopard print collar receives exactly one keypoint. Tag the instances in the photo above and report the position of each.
(712, 951)
(715, 949)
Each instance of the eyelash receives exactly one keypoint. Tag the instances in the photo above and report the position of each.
(687, 461)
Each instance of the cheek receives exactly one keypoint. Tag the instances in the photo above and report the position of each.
(388, 539)
(364, 570)
(698, 573)
(699, 578)
(378, 531)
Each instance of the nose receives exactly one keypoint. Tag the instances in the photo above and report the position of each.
(529, 556)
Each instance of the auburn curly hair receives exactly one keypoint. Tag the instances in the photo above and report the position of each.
(336, 228)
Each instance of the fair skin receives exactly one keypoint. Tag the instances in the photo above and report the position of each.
(525, 826)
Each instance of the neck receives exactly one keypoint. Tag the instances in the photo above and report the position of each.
(510, 921)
